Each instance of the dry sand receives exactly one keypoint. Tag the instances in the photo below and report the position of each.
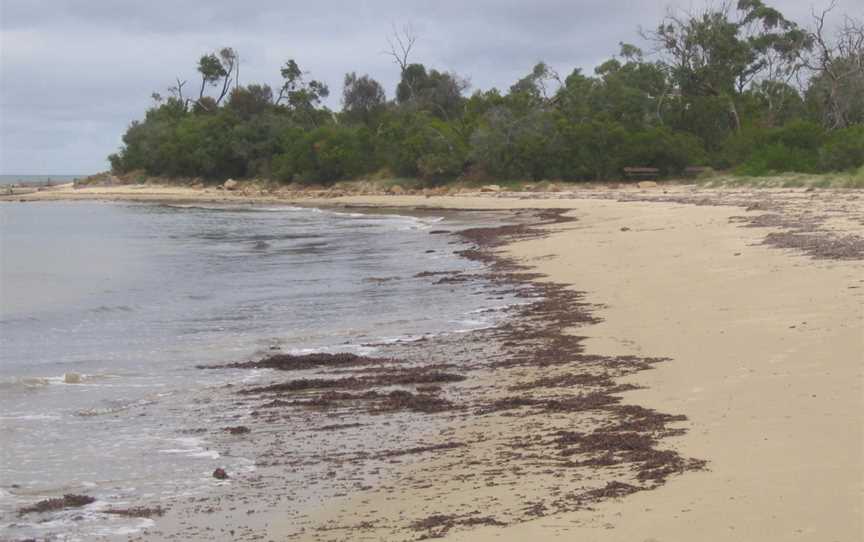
(768, 352)
(767, 349)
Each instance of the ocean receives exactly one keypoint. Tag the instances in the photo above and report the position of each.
(106, 309)
(37, 180)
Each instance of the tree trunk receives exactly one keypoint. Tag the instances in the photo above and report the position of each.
(733, 110)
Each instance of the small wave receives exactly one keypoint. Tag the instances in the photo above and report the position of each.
(112, 308)
(238, 208)
(113, 409)
(39, 382)
(29, 382)
(192, 447)
(138, 525)
(498, 308)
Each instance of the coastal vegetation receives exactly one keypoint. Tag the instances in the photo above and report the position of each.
(739, 88)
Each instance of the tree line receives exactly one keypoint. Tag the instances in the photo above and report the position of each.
(738, 87)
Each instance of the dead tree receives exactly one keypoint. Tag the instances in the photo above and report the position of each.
(400, 46)
(177, 92)
(837, 66)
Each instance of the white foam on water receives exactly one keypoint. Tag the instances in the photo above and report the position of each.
(192, 447)
(138, 525)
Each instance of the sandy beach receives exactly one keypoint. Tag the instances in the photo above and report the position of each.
(756, 297)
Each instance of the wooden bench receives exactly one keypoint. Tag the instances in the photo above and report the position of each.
(641, 173)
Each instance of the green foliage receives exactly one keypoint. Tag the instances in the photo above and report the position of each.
(247, 102)
(776, 158)
(363, 99)
(437, 93)
(794, 147)
(323, 155)
(718, 94)
(844, 150)
(670, 152)
(421, 145)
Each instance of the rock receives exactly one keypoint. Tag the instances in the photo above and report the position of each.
(230, 184)
(72, 378)
(490, 188)
(220, 474)
(396, 190)
(239, 430)
(647, 184)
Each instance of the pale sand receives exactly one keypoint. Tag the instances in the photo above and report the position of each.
(767, 351)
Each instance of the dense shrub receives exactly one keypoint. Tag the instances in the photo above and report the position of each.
(776, 158)
(843, 150)
(324, 155)
(668, 151)
(793, 147)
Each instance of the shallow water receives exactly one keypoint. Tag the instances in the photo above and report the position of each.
(132, 296)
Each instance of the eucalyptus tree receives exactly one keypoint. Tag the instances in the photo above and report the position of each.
(363, 98)
(301, 97)
(718, 53)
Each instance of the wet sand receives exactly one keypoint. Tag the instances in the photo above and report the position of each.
(762, 322)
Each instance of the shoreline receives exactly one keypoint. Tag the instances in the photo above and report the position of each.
(764, 344)
(484, 395)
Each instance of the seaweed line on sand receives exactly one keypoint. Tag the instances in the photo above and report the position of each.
(521, 421)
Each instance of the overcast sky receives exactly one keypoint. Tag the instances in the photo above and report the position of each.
(73, 74)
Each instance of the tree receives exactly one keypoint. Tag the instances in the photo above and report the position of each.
(439, 93)
(362, 98)
(250, 101)
(536, 85)
(230, 62)
(214, 67)
(400, 46)
(211, 71)
(837, 64)
(712, 54)
(301, 96)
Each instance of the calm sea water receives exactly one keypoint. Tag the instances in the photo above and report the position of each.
(132, 296)
(38, 179)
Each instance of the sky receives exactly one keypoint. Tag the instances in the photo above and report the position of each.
(75, 73)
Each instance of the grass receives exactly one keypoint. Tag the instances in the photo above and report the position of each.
(852, 179)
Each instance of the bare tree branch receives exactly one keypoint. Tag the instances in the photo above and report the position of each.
(400, 45)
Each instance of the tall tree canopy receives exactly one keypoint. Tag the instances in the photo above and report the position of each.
(737, 87)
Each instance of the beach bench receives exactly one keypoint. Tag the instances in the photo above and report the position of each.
(641, 173)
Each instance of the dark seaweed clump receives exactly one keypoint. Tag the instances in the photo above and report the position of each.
(58, 503)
